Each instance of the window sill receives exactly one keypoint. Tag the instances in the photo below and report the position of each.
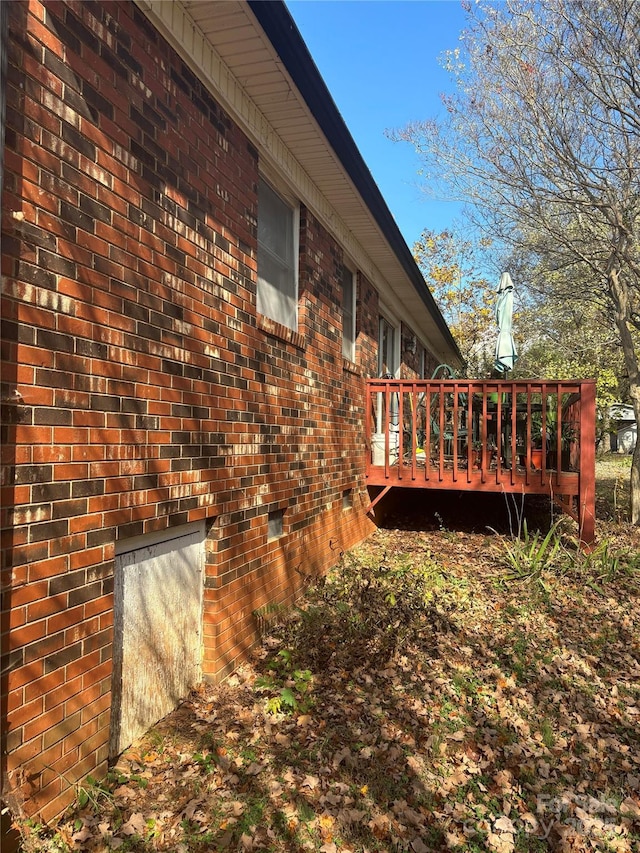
(277, 330)
(351, 367)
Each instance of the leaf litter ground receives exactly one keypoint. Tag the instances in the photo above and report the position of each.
(421, 698)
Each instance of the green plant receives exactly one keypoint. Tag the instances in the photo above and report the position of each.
(604, 565)
(464, 683)
(568, 432)
(548, 435)
(155, 738)
(537, 433)
(252, 816)
(532, 553)
(36, 837)
(91, 792)
(376, 606)
(547, 734)
(116, 777)
(291, 686)
(206, 761)
(194, 836)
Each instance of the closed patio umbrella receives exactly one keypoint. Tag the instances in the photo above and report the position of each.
(506, 353)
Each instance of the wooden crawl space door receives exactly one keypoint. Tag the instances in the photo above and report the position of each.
(157, 629)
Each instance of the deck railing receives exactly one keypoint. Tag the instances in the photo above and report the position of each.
(529, 436)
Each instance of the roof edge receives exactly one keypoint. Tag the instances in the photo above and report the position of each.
(277, 23)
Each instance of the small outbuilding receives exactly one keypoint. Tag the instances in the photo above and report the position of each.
(624, 434)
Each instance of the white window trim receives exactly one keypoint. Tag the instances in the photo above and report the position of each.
(294, 204)
(352, 355)
(393, 415)
(395, 324)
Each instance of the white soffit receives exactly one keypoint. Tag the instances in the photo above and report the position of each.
(227, 48)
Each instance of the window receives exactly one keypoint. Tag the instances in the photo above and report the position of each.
(277, 258)
(348, 315)
(388, 360)
(388, 365)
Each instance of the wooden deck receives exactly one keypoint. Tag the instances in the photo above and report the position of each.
(522, 437)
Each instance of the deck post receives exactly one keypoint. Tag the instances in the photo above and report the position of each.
(368, 428)
(587, 487)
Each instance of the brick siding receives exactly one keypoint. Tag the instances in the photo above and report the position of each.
(140, 389)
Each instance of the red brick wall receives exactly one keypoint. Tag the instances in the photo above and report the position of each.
(140, 389)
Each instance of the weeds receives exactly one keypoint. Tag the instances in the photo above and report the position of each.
(370, 608)
(476, 710)
(605, 564)
(547, 735)
(116, 777)
(206, 761)
(533, 553)
(291, 686)
(37, 838)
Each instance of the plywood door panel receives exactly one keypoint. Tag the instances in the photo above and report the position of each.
(157, 647)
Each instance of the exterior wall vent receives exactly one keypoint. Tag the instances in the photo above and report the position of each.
(275, 525)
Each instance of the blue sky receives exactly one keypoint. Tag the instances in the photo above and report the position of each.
(379, 59)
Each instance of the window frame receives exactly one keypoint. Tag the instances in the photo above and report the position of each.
(385, 318)
(287, 318)
(349, 341)
(394, 326)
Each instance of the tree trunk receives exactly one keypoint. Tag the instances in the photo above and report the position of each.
(635, 467)
(604, 443)
(622, 311)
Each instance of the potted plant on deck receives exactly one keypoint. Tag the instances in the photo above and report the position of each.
(478, 451)
(548, 440)
(537, 441)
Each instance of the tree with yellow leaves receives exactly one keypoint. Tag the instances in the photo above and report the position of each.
(466, 298)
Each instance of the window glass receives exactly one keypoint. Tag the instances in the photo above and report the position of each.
(277, 268)
(348, 315)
